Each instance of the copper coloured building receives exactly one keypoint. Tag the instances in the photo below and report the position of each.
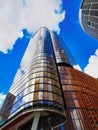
(47, 92)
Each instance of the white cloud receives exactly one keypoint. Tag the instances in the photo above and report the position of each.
(77, 67)
(92, 67)
(30, 14)
(2, 97)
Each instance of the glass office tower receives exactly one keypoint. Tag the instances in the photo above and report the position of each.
(47, 92)
(89, 17)
(36, 87)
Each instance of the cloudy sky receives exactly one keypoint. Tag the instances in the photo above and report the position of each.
(19, 19)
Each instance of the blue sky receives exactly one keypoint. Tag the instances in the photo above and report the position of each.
(20, 19)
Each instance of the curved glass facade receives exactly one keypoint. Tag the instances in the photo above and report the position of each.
(58, 50)
(36, 84)
(89, 17)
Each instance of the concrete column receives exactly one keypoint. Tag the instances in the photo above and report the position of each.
(35, 121)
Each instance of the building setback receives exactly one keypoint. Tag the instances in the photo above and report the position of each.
(89, 17)
(47, 92)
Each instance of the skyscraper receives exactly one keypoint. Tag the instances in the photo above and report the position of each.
(47, 92)
(89, 17)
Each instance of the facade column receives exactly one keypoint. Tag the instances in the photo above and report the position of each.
(35, 121)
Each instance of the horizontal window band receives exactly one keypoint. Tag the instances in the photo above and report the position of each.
(40, 82)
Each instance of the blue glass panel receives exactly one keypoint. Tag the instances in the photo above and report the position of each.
(62, 127)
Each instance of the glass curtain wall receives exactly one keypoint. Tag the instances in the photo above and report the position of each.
(36, 84)
(89, 17)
